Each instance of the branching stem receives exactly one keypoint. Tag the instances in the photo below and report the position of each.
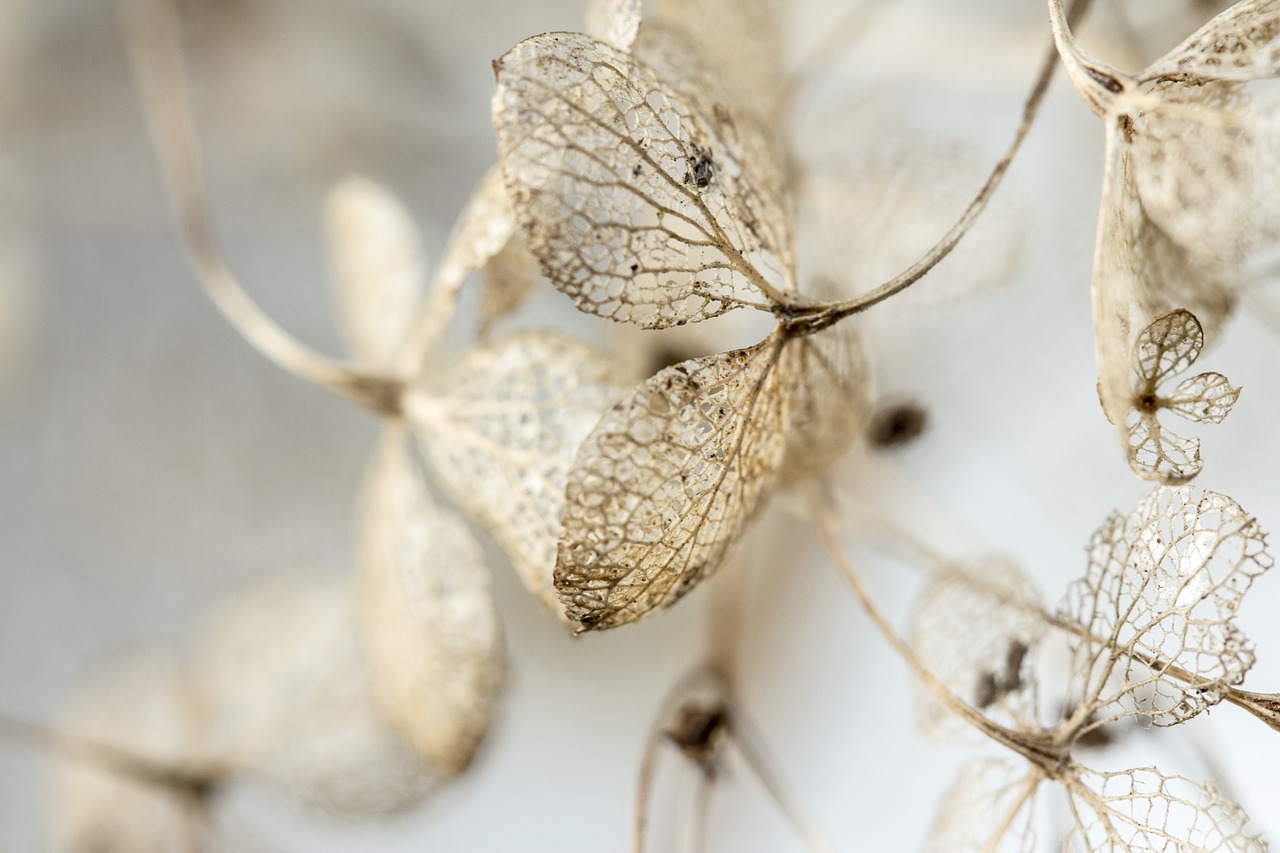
(816, 318)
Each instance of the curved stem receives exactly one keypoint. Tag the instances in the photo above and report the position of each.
(816, 318)
(1042, 755)
(152, 33)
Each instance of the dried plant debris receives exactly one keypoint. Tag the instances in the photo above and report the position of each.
(639, 205)
(894, 424)
(285, 699)
(502, 433)
(433, 636)
(138, 705)
(1191, 156)
(1157, 607)
(978, 626)
(379, 269)
(1163, 350)
(668, 480)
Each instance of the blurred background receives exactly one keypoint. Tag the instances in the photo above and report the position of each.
(151, 463)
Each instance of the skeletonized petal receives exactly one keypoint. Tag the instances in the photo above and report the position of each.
(507, 281)
(831, 400)
(433, 635)
(1161, 592)
(486, 225)
(1167, 347)
(978, 628)
(1241, 44)
(1158, 453)
(502, 434)
(286, 699)
(1206, 397)
(668, 480)
(1143, 810)
(614, 22)
(990, 808)
(635, 203)
(378, 265)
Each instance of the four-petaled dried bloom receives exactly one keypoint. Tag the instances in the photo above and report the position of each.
(1189, 192)
(1163, 350)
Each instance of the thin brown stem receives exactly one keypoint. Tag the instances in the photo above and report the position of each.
(1044, 755)
(816, 318)
(153, 34)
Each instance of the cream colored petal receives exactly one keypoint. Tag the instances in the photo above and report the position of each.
(502, 432)
(614, 22)
(1241, 44)
(378, 266)
(432, 633)
(978, 627)
(286, 700)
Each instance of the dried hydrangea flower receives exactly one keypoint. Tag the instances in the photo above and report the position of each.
(1164, 349)
(1191, 155)
(649, 200)
(1152, 636)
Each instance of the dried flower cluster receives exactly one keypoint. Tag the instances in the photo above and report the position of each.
(644, 172)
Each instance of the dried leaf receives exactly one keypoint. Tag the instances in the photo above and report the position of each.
(433, 635)
(1241, 44)
(614, 22)
(502, 434)
(978, 628)
(286, 700)
(637, 204)
(138, 705)
(1144, 810)
(1160, 595)
(989, 808)
(667, 481)
(379, 268)
(1167, 347)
